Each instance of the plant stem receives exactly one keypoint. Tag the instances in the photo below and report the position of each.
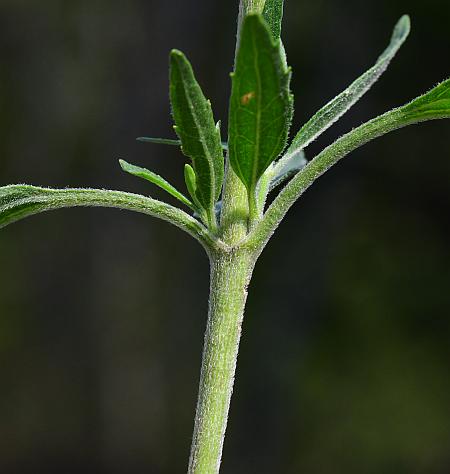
(230, 276)
(234, 215)
(231, 271)
(250, 6)
(253, 208)
(246, 7)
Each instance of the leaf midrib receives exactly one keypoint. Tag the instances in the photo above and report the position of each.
(258, 113)
(204, 145)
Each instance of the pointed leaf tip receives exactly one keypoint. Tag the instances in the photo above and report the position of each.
(338, 106)
(155, 179)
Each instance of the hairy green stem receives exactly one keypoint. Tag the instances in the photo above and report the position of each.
(246, 7)
(235, 203)
(230, 276)
(234, 215)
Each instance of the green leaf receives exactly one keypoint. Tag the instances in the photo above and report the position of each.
(20, 201)
(433, 105)
(273, 14)
(169, 141)
(197, 130)
(155, 179)
(159, 141)
(191, 183)
(332, 111)
(261, 104)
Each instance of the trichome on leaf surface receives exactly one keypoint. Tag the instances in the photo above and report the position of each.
(228, 184)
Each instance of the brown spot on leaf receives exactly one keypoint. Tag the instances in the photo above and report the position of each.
(245, 99)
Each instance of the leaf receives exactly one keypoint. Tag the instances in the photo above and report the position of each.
(286, 167)
(20, 201)
(169, 141)
(197, 130)
(261, 104)
(191, 183)
(17, 202)
(155, 179)
(332, 111)
(273, 14)
(432, 105)
(159, 141)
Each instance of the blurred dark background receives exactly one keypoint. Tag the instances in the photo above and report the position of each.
(345, 356)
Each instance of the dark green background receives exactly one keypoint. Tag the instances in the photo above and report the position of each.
(345, 356)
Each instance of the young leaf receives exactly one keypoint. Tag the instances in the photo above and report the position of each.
(342, 103)
(261, 104)
(273, 14)
(191, 183)
(197, 130)
(169, 141)
(155, 179)
(159, 141)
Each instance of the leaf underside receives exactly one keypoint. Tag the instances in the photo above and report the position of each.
(261, 103)
(337, 107)
(20, 201)
(195, 126)
(285, 169)
(433, 105)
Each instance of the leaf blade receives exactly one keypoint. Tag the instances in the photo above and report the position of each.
(20, 201)
(159, 141)
(273, 14)
(338, 106)
(157, 180)
(261, 103)
(196, 129)
(433, 105)
(169, 141)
